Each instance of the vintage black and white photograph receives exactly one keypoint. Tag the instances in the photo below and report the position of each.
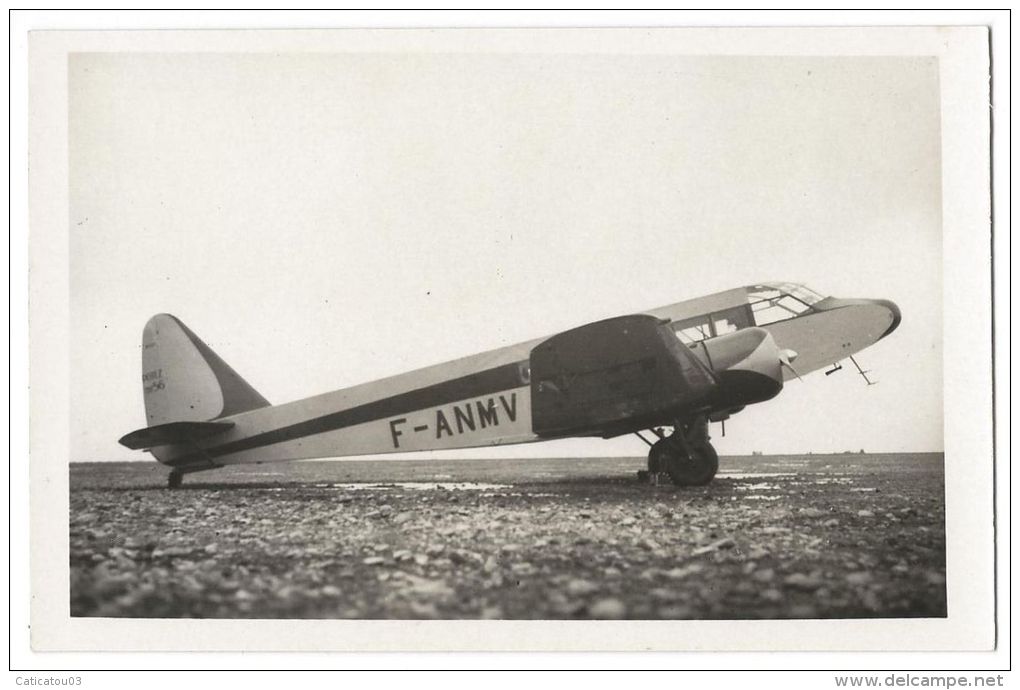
(386, 330)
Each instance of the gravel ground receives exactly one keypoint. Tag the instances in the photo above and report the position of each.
(822, 536)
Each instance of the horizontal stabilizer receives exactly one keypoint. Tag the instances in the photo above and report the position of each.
(171, 433)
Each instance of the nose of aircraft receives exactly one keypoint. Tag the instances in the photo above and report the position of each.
(894, 315)
(887, 312)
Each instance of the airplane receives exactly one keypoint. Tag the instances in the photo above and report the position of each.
(681, 366)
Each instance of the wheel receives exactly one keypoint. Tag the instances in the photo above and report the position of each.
(696, 468)
(708, 461)
(175, 479)
(658, 456)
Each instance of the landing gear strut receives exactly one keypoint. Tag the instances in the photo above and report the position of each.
(175, 479)
(686, 454)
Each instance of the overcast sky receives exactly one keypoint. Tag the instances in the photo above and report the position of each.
(322, 220)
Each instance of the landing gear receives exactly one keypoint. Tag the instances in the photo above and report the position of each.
(686, 455)
(175, 479)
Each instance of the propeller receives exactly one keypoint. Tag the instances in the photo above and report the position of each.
(786, 358)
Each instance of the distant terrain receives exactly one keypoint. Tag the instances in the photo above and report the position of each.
(806, 536)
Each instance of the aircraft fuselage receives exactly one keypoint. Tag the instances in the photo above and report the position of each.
(702, 358)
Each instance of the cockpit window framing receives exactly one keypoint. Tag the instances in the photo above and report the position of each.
(774, 302)
(694, 330)
(768, 303)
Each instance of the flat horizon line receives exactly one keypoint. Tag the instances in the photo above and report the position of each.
(384, 458)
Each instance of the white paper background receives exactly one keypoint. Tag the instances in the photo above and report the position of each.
(964, 93)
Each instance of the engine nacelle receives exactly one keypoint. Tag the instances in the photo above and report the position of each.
(748, 366)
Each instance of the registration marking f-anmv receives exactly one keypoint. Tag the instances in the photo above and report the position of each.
(461, 418)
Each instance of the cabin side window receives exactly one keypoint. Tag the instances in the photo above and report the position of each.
(732, 320)
(694, 330)
(691, 331)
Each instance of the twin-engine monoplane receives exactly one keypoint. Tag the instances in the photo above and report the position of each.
(676, 368)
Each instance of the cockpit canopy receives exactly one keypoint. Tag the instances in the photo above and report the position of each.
(772, 302)
(766, 303)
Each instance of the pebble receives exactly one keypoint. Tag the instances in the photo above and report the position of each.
(461, 557)
(685, 571)
(524, 568)
(715, 546)
(802, 581)
(171, 552)
(803, 611)
(871, 600)
(424, 609)
(608, 609)
(861, 577)
(580, 588)
(430, 589)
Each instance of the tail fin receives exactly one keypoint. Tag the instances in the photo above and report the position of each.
(185, 381)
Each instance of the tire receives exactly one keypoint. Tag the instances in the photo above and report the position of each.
(708, 462)
(175, 479)
(697, 470)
